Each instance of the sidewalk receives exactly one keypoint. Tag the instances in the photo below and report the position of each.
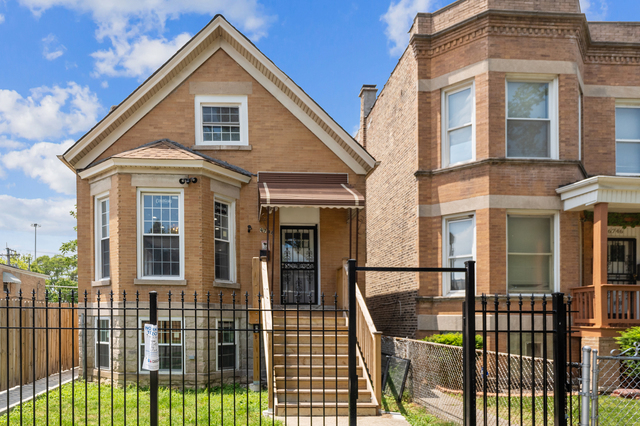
(27, 390)
(387, 419)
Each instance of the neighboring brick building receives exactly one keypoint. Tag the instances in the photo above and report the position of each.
(261, 152)
(15, 280)
(494, 107)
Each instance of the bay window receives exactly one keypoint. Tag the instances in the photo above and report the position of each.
(458, 133)
(531, 247)
(224, 240)
(102, 238)
(531, 119)
(161, 235)
(459, 247)
(628, 139)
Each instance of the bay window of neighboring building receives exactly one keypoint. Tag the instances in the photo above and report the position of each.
(102, 238)
(459, 247)
(161, 234)
(532, 244)
(224, 237)
(628, 139)
(221, 120)
(532, 124)
(458, 119)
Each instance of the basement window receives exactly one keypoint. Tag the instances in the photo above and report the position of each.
(227, 350)
(221, 120)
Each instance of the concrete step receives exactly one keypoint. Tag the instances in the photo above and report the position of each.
(319, 409)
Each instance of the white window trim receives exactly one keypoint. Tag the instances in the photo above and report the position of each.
(232, 236)
(235, 322)
(141, 321)
(108, 342)
(554, 129)
(446, 276)
(98, 235)
(556, 246)
(140, 221)
(627, 103)
(445, 120)
(235, 101)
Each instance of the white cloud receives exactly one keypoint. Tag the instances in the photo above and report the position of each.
(51, 48)
(1, 18)
(132, 25)
(104, 84)
(53, 214)
(10, 144)
(49, 112)
(398, 18)
(137, 59)
(40, 162)
(596, 10)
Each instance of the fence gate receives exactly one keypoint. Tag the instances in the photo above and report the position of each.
(611, 387)
(524, 373)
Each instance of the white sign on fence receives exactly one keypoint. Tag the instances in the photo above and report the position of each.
(151, 360)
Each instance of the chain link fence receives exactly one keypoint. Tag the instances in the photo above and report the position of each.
(617, 391)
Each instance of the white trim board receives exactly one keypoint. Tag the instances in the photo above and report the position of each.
(490, 202)
(619, 191)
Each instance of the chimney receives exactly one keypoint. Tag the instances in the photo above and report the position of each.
(367, 99)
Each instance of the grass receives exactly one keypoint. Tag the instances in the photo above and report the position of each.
(221, 405)
(415, 414)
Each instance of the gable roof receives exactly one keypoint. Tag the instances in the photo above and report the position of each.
(218, 34)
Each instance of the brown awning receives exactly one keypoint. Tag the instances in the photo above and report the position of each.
(329, 190)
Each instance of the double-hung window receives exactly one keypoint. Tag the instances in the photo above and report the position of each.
(628, 139)
(162, 235)
(170, 344)
(102, 239)
(223, 240)
(459, 247)
(531, 247)
(221, 120)
(531, 119)
(227, 352)
(103, 343)
(458, 112)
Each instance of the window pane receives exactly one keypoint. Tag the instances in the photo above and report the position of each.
(104, 256)
(222, 260)
(457, 278)
(530, 273)
(528, 100)
(628, 123)
(528, 138)
(530, 234)
(460, 237)
(226, 357)
(460, 145)
(154, 262)
(628, 157)
(460, 108)
(102, 355)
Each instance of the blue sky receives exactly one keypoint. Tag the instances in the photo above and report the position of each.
(65, 62)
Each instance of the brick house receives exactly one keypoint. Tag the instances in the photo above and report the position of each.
(216, 157)
(505, 133)
(16, 280)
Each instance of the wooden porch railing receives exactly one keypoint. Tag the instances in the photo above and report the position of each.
(616, 305)
(369, 339)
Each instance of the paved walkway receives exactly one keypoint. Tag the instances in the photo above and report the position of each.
(27, 390)
(388, 419)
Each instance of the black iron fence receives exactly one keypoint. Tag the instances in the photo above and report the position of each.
(212, 354)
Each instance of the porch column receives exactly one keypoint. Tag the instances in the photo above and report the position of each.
(600, 223)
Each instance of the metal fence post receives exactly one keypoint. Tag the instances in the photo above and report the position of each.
(353, 375)
(585, 395)
(469, 345)
(559, 359)
(153, 375)
(594, 388)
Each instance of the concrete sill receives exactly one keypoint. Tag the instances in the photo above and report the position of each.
(100, 283)
(221, 147)
(226, 284)
(145, 281)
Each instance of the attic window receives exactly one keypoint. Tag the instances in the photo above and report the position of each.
(221, 120)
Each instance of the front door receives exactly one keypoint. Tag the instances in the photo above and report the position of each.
(299, 264)
(621, 260)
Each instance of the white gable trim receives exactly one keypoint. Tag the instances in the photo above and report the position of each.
(176, 80)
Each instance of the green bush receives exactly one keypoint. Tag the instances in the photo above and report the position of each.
(452, 339)
(628, 340)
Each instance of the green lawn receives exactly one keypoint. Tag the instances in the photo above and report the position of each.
(415, 414)
(221, 407)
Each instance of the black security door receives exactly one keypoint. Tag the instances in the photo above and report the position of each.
(621, 260)
(299, 264)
